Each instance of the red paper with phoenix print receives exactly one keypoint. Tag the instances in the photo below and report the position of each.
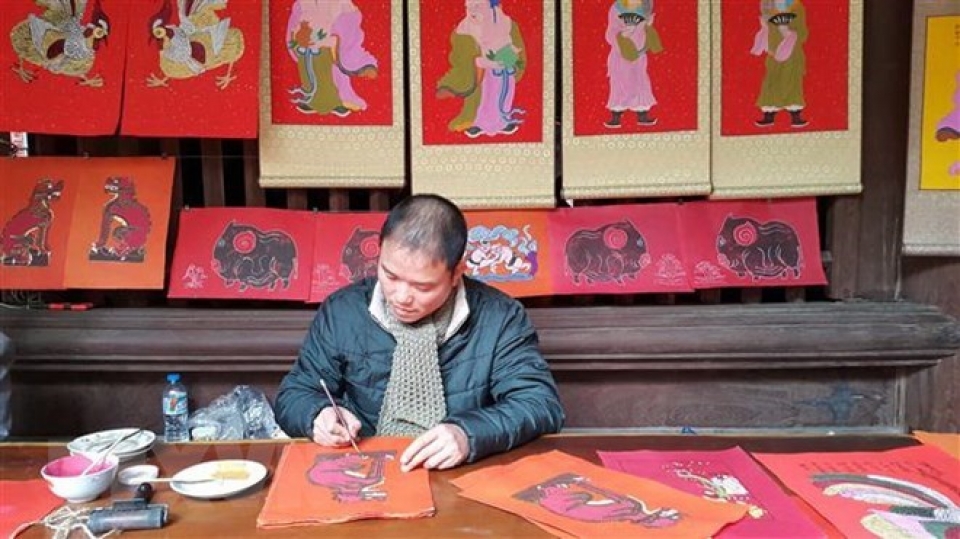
(631, 56)
(35, 212)
(327, 485)
(193, 69)
(346, 250)
(243, 253)
(563, 493)
(63, 65)
(617, 250)
(752, 243)
(793, 65)
(728, 476)
(510, 251)
(118, 235)
(907, 492)
(331, 62)
(482, 71)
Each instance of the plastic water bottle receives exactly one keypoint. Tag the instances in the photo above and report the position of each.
(175, 411)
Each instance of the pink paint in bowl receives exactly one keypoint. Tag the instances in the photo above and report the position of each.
(63, 477)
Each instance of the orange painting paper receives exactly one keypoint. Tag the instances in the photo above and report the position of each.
(23, 502)
(322, 485)
(118, 236)
(571, 497)
(948, 441)
(510, 251)
(35, 213)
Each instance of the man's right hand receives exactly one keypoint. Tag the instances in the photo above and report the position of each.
(327, 430)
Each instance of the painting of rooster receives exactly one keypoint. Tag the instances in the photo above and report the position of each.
(63, 40)
(193, 41)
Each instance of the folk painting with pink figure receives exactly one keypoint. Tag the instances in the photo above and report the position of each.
(331, 62)
(482, 78)
(785, 66)
(635, 66)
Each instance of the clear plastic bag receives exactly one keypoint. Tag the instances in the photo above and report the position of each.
(244, 413)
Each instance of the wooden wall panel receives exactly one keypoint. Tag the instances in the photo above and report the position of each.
(934, 394)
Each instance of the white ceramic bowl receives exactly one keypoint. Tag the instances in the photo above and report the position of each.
(63, 477)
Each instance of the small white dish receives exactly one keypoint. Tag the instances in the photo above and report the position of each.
(133, 476)
(100, 441)
(219, 488)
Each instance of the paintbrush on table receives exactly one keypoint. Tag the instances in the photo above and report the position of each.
(340, 418)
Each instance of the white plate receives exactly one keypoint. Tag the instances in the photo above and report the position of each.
(100, 441)
(218, 488)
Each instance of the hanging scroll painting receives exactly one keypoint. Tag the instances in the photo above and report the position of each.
(482, 77)
(62, 66)
(787, 122)
(510, 251)
(622, 249)
(35, 212)
(118, 235)
(192, 69)
(634, 66)
(243, 253)
(752, 243)
(908, 492)
(332, 64)
(637, 114)
(482, 71)
(332, 93)
(727, 476)
(346, 250)
(932, 204)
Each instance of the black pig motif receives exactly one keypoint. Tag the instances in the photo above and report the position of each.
(360, 254)
(762, 250)
(247, 256)
(612, 252)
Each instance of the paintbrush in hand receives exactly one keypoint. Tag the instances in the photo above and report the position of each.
(340, 418)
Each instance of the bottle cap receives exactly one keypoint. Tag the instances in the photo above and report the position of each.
(173, 377)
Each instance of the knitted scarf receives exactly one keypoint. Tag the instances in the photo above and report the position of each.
(414, 401)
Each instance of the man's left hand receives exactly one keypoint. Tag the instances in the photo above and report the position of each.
(441, 447)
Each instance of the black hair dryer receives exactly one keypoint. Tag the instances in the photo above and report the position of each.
(136, 513)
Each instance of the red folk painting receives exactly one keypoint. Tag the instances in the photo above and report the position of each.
(62, 65)
(346, 250)
(909, 492)
(570, 497)
(35, 212)
(482, 71)
(618, 250)
(752, 243)
(324, 485)
(510, 251)
(785, 66)
(634, 66)
(118, 236)
(727, 476)
(248, 253)
(330, 62)
(193, 69)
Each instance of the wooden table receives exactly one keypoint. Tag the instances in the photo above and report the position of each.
(455, 516)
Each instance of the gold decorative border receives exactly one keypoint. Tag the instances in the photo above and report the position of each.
(478, 176)
(333, 156)
(667, 164)
(931, 219)
(795, 164)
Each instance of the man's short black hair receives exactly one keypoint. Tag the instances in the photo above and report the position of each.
(430, 224)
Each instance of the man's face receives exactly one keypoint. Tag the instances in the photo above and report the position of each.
(414, 284)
